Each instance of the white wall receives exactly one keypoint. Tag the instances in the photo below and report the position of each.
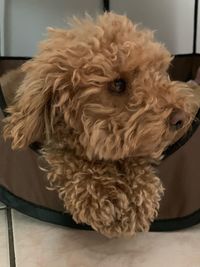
(2, 20)
(173, 20)
(26, 21)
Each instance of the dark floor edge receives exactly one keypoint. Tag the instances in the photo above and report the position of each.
(65, 219)
(168, 225)
(11, 239)
(39, 212)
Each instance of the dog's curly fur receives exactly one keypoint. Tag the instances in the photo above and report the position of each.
(100, 145)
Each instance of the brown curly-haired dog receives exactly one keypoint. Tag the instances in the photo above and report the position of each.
(99, 99)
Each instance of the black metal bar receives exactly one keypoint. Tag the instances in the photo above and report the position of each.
(11, 239)
(106, 5)
(14, 58)
(195, 25)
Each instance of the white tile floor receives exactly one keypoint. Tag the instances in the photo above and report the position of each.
(4, 245)
(39, 244)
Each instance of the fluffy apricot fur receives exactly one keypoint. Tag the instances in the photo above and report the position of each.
(101, 146)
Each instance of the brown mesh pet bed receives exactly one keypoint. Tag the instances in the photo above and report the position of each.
(23, 184)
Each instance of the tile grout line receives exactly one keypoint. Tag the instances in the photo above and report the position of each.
(11, 238)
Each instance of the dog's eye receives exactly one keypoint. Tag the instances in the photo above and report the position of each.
(118, 86)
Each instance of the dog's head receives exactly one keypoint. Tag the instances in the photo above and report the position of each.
(106, 83)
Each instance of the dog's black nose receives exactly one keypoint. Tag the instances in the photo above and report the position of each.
(177, 119)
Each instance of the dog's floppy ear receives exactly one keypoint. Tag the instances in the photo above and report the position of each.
(26, 120)
(43, 91)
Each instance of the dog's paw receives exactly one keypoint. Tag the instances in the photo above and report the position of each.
(115, 207)
(107, 209)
